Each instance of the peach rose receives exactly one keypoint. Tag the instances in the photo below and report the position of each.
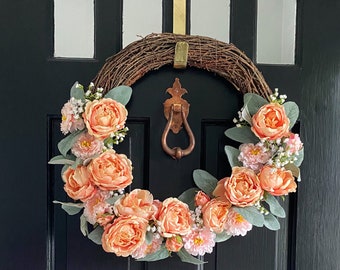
(243, 188)
(125, 235)
(219, 191)
(78, 184)
(270, 122)
(215, 214)
(174, 218)
(201, 198)
(103, 117)
(137, 203)
(174, 244)
(277, 181)
(111, 171)
(97, 210)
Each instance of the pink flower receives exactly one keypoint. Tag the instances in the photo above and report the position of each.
(199, 241)
(70, 121)
(236, 224)
(253, 156)
(294, 143)
(87, 146)
(97, 209)
(146, 249)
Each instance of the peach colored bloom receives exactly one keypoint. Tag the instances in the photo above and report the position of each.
(158, 206)
(253, 156)
(243, 188)
(219, 191)
(277, 181)
(97, 209)
(125, 235)
(69, 121)
(199, 241)
(201, 198)
(146, 249)
(137, 203)
(111, 171)
(78, 183)
(87, 146)
(215, 215)
(236, 224)
(174, 218)
(294, 143)
(174, 244)
(103, 117)
(270, 122)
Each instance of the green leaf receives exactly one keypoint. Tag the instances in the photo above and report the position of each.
(120, 93)
(66, 144)
(160, 254)
(113, 199)
(60, 159)
(271, 222)
(246, 115)
(77, 92)
(148, 238)
(188, 197)
(96, 235)
(205, 181)
(254, 102)
(186, 257)
(83, 225)
(295, 171)
(251, 214)
(241, 134)
(292, 112)
(77, 162)
(299, 157)
(274, 206)
(232, 154)
(221, 237)
(70, 208)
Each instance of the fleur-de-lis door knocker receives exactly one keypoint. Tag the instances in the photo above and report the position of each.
(176, 110)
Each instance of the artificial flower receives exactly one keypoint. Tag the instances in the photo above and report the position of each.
(199, 241)
(236, 224)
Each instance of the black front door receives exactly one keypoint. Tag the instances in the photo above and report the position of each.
(35, 234)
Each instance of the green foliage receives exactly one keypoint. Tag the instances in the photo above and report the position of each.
(205, 181)
(232, 154)
(83, 225)
(251, 214)
(188, 197)
(148, 238)
(96, 235)
(299, 157)
(66, 144)
(70, 208)
(60, 159)
(295, 171)
(120, 93)
(186, 257)
(253, 102)
(241, 134)
(221, 237)
(77, 92)
(292, 112)
(274, 206)
(271, 222)
(160, 254)
(113, 199)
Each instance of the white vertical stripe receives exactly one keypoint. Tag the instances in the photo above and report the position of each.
(74, 28)
(211, 18)
(276, 23)
(140, 18)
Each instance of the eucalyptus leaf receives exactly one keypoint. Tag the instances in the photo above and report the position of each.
(271, 222)
(186, 257)
(120, 93)
(205, 181)
(295, 170)
(83, 225)
(66, 144)
(113, 199)
(274, 206)
(221, 237)
(148, 238)
(70, 208)
(254, 102)
(292, 112)
(188, 197)
(299, 157)
(160, 254)
(241, 134)
(246, 115)
(96, 235)
(77, 162)
(60, 159)
(77, 92)
(251, 214)
(232, 154)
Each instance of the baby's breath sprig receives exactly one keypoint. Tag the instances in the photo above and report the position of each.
(91, 95)
(240, 122)
(276, 98)
(116, 138)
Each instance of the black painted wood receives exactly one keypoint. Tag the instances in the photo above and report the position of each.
(35, 234)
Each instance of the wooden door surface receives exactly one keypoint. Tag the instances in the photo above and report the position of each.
(35, 234)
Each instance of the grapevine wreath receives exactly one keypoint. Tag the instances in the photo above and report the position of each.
(264, 167)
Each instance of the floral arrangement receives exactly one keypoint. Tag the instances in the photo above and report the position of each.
(135, 224)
